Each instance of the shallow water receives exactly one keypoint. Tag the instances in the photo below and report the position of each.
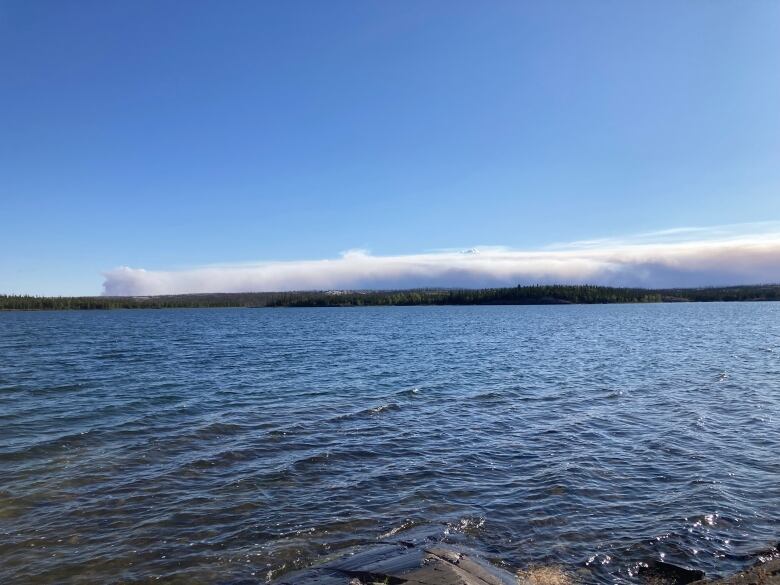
(212, 446)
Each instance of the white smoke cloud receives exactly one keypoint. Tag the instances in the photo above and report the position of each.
(712, 257)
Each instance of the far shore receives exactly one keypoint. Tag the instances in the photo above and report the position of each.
(519, 295)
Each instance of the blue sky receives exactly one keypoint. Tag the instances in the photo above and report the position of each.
(173, 135)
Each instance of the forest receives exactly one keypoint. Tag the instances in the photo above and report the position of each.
(519, 295)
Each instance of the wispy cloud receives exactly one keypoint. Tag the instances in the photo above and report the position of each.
(724, 255)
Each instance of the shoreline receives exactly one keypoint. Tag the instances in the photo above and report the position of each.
(519, 295)
(280, 307)
(422, 558)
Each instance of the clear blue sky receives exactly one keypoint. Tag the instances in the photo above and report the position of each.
(168, 134)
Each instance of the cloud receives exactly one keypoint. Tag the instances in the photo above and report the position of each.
(698, 257)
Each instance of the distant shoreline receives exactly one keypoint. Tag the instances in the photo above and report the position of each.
(519, 295)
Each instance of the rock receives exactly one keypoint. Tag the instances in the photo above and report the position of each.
(769, 553)
(661, 573)
(761, 574)
(419, 557)
(394, 563)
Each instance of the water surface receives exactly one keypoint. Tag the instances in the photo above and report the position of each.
(216, 446)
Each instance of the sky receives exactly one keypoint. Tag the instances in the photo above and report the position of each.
(162, 146)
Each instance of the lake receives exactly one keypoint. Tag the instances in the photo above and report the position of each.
(227, 445)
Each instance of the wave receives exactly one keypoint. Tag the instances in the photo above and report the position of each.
(369, 412)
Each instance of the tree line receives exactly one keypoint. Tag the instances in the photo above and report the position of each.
(519, 295)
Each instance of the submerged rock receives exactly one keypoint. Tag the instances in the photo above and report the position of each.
(661, 573)
(767, 573)
(393, 563)
(419, 557)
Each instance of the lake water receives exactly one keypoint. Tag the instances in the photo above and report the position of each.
(218, 446)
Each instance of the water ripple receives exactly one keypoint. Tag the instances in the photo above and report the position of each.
(210, 446)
